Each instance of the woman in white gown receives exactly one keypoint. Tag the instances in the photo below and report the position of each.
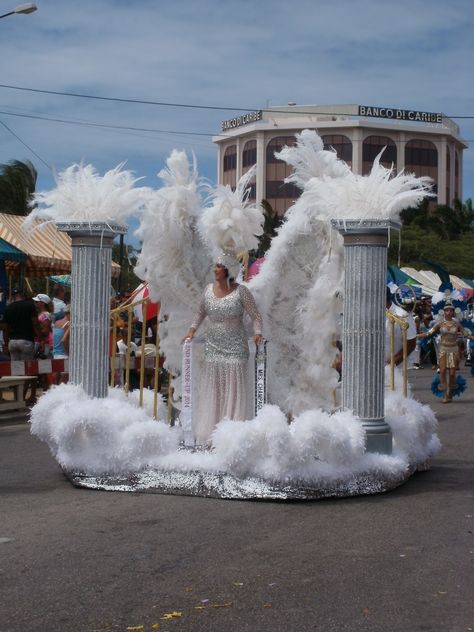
(224, 381)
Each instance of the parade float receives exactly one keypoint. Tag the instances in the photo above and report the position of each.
(307, 439)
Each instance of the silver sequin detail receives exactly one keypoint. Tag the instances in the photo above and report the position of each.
(226, 340)
(223, 379)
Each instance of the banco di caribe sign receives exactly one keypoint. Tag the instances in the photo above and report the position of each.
(238, 121)
(400, 115)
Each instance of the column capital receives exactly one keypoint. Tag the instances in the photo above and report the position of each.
(365, 226)
(91, 229)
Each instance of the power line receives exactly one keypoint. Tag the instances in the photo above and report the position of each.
(106, 125)
(175, 105)
(123, 100)
(25, 144)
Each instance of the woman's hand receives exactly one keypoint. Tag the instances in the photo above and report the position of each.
(189, 336)
(258, 339)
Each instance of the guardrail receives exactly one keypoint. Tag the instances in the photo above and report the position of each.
(127, 362)
(403, 324)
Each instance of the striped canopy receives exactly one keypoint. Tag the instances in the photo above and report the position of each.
(48, 250)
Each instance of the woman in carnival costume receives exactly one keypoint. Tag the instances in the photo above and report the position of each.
(448, 356)
(224, 383)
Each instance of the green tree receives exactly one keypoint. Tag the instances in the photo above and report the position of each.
(17, 185)
(271, 223)
(129, 279)
(443, 234)
(445, 221)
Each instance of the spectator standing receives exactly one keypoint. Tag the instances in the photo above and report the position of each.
(21, 327)
(44, 340)
(61, 334)
(59, 302)
(20, 332)
(45, 337)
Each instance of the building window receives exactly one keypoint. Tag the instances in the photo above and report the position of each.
(457, 179)
(421, 153)
(421, 158)
(278, 193)
(371, 148)
(230, 166)
(278, 190)
(253, 191)
(277, 144)
(448, 160)
(342, 145)
(230, 158)
(249, 155)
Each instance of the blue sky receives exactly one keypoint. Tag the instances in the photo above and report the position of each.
(240, 54)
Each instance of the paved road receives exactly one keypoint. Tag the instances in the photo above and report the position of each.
(79, 560)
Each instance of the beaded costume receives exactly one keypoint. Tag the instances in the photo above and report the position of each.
(448, 345)
(224, 380)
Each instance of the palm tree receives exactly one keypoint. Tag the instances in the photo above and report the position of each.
(17, 185)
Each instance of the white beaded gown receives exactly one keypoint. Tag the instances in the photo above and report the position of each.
(223, 384)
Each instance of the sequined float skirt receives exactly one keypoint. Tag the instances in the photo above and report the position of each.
(223, 382)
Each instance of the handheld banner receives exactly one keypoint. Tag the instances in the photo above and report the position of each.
(186, 416)
(260, 376)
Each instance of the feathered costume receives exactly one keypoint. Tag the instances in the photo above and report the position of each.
(448, 335)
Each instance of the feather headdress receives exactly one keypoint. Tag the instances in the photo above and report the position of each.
(232, 224)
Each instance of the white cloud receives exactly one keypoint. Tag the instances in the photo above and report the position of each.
(235, 53)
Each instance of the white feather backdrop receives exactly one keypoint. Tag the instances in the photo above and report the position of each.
(299, 288)
(173, 259)
(300, 285)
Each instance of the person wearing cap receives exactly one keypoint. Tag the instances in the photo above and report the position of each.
(45, 337)
(448, 356)
(224, 382)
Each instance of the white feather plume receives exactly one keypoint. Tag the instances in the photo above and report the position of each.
(309, 159)
(232, 221)
(299, 288)
(173, 259)
(82, 194)
(378, 195)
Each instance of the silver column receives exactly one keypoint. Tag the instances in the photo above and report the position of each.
(90, 303)
(363, 343)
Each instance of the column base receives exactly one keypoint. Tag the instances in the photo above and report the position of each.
(378, 436)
